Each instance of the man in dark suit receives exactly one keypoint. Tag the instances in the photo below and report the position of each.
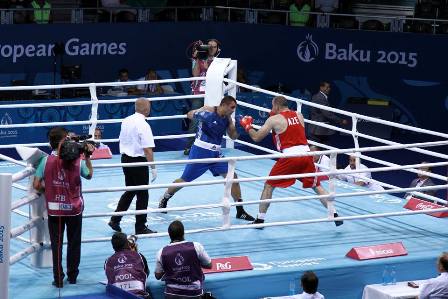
(317, 133)
(422, 180)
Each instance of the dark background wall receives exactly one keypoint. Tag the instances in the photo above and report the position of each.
(406, 70)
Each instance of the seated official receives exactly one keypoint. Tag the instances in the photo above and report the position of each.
(180, 264)
(149, 88)
(127, 268)
(123, 76)
(309, 282)
(422, 180)
(357, 178)
(437, 288)
(98, 135)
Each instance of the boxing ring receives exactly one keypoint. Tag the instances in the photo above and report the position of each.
(299, 233)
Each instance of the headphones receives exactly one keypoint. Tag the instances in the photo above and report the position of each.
(218, 44)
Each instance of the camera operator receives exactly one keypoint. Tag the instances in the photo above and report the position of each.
(180, 265)
(60, 179)
(200, 64)
(127, 268)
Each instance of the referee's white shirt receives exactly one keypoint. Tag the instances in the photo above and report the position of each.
(135, 135)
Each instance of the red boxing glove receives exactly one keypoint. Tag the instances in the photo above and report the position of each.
(246, 122)
(271, 113)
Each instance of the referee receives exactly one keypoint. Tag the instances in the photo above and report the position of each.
(136, 144)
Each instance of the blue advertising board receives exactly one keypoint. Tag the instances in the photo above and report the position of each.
(407, 70)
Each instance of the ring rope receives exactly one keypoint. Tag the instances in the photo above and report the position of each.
(229, 179)
(104, 84)
(350, 114)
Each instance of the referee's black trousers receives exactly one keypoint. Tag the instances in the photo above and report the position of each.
(134, 176)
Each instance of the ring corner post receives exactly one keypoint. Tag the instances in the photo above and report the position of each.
(5, 231)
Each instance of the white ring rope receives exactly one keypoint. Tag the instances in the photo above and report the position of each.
(17, 231)
(24, 253)
(6, 158)
(270, 224)
(350, 114)
(277, 155)
(21, 213)
(85, 122)
(271, 200)
(101, 102)
(128, 83)
(24, 200)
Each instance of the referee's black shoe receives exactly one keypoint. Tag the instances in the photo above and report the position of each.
(144, 231)
(115, 226)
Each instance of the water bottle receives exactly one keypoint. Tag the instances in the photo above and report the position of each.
(386, 276)
(393, 275)
(292, 287)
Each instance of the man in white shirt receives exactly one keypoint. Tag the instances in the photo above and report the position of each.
(136, 144)
(357, 178)
(437, 288)
(309, 283)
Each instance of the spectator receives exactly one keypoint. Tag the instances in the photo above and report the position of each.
(242, 78)
(120, 10)
(322, 160)
(42, 11)
(21, 15)
(175, 258)
(60, 179)
(98, 135)
(326, 6)
(309, 282)
(132, 277)
(199, 69)
(437, 288)
(422, 180)
(357, 178)
(318, 133)
(123, 76)
(299, 13)
(149, 88)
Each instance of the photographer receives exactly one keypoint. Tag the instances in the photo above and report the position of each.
(59, 176)
(131, 275)
(202, 57)
(180, 264)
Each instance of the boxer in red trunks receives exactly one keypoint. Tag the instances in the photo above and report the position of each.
(288, 130)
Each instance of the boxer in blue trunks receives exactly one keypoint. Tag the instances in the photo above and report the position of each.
(214, 122)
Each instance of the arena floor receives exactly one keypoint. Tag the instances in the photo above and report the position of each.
(279, 254)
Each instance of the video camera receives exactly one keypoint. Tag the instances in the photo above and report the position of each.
(73, 147)
(202, 50)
